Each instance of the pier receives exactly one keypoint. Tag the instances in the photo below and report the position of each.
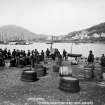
(13, 91)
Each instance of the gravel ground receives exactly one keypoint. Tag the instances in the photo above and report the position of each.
(45, 91)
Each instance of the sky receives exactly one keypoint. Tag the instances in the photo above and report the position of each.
(52, 17)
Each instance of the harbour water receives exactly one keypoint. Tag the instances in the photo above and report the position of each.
(82, 48)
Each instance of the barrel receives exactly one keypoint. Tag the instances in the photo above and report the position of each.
(103, 69)
(103, 76)
(98, 72)
(69, 84)
(88, 73)
(40, 70)
(65, 71)
(58, 61)
(21, 62)
(13, 62)
(29, 76)
(56, 68)
(38, 66)
(74, 62)
(7, 63)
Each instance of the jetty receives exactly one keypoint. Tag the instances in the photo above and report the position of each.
(13, 91)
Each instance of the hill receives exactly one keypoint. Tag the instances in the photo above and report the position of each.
(94, 33)
(12, 32)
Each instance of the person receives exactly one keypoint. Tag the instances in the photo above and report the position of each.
(9, 54)
(5, 53)
(14, 53)
(64, 54)
(47, 53)
(36, 57)
(29, 53)
(90, 57)
(32, 58)
(2, 62)
(42, 55)
(103, 60)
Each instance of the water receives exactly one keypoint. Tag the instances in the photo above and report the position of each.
(82, 48)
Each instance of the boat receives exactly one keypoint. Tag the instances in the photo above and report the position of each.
(21, 43)
(28, 43)
(76, 43)
(74, 55)
(49, 42)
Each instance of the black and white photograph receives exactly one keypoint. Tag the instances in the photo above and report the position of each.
(52, 52)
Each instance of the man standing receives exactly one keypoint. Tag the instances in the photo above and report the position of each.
(90, 57)
(64, 54)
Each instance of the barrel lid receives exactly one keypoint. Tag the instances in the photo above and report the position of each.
(30, 71)
(87, 68)
(69, 78)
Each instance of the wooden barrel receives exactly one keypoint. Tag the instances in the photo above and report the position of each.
(41, 72)
(103, 69)
(38, 66)
(56, 68)
(69, 84)
(74, 62)
(29, 76)
(56, 59)
(65, 71)
(13, 62)
(88, 73)
(7, 63)
(103, 76)
(21, 62)
(98, 72)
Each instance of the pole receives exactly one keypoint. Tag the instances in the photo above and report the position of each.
(51, 44)
(71, 47)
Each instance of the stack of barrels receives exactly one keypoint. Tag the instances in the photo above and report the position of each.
(69, 84)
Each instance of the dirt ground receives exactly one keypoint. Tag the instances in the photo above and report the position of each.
(45, 91)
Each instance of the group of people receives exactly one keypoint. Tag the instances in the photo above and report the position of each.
(103, 60)
(91, 59)
(21, 57)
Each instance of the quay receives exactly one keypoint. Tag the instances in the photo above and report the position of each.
(13, 91)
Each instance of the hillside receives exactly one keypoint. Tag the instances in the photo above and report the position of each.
(94, 33)
(97, 28)
(12, 32)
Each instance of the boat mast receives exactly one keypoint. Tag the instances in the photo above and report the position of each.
(0, 36)
(71, 47)
(51, 43)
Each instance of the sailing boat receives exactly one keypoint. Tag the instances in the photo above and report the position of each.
(73, 55)
(1, 38)
(20, 41)
(51, 43)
